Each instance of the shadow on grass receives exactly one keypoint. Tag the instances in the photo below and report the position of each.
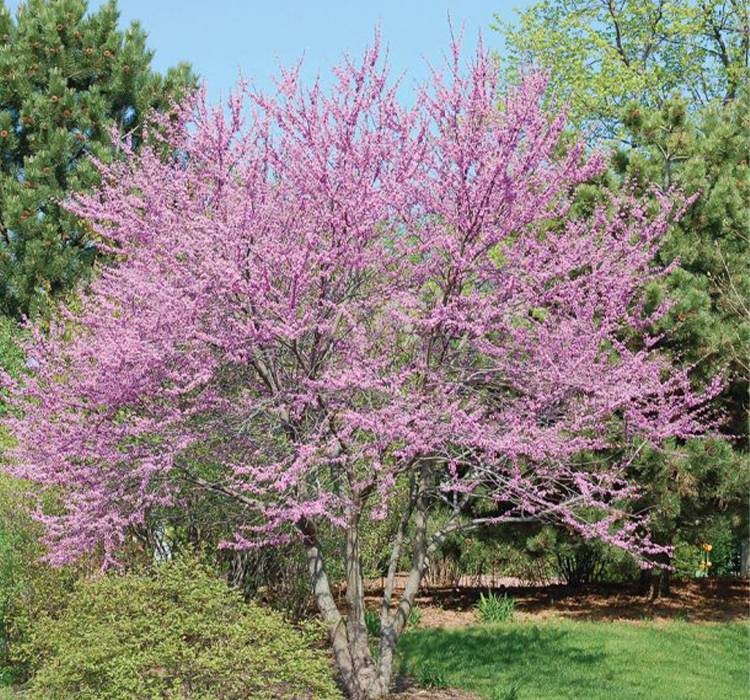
(491, 658)
(566, 660)
(492, 646)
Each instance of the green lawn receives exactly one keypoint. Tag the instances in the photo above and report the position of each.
(561, 660)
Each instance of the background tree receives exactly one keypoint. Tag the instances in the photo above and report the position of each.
(65, 78)
(706, 153)
(603, 54)
(669, 81)
(342, 307)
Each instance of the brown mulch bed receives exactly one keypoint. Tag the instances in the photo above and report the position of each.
(430, 694)
(698, 600)
(406, 689)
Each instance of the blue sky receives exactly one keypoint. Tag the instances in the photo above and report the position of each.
(222, 37)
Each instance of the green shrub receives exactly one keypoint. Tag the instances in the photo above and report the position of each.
(28, 587)
(175, 632)
(724, 538)
(492, 608)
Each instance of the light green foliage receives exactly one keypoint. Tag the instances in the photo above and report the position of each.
(176, 632)
(493, 608)
(28, 587)
(65, 78)
(603, 55)
(11, 357)
(559, 659)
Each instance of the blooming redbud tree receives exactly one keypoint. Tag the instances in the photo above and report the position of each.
(359, 307)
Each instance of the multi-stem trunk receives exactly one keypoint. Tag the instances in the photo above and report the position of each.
(363, 676)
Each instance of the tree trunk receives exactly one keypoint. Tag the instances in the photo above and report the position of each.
(655, 583)
(362, 676)
(745, 558)
(358, 673)
(661, 579)
(662, 584)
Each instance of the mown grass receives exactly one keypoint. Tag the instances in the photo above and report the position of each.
(561, 660)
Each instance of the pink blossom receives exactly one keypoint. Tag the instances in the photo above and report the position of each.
(341, 293)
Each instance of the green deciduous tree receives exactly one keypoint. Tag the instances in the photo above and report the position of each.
(65, 77)
(604, 53)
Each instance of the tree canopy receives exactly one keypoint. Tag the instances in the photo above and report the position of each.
(344, 306)
(604, 54)
(66, 77)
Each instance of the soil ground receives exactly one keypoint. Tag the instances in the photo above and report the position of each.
(697, 600)
(431, 694)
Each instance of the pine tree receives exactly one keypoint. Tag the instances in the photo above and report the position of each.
(668, 83)
(66, 76)
(706, 155)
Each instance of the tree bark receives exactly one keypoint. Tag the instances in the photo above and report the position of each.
(363, 676)
(656, 582)
(357, 670)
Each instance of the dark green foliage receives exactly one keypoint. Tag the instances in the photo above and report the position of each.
(704, 153)
(575, 561)
(670, 83)
(65, 78)
(707, 156)
(175, 632)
